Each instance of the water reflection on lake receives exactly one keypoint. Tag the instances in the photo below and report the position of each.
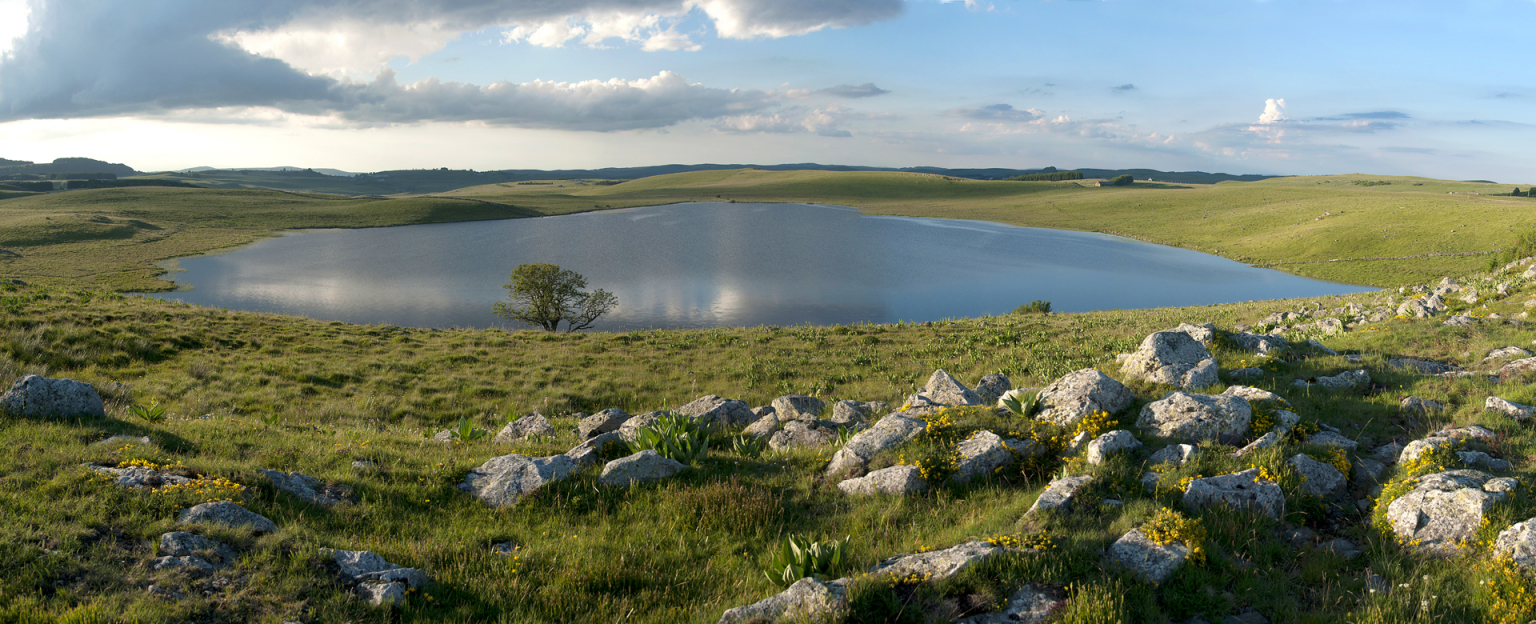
(714, 265)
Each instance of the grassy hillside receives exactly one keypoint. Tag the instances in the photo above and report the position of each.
(1323, 227)
(112, 238)
(247, 391)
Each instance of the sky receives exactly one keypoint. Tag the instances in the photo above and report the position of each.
(1400, 87)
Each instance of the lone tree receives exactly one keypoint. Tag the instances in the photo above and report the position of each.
(1122, 180)
(545, 294)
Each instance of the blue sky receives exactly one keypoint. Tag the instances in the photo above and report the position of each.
(1281, 86)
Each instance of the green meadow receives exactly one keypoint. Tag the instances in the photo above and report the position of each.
(248, 391)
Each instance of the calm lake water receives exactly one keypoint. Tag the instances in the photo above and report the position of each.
(721, 265)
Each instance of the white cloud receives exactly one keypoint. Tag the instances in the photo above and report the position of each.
(826, 121)
(1274, 112)
(342, 48)
(15, 16)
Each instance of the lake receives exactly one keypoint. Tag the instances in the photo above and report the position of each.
(720, 265)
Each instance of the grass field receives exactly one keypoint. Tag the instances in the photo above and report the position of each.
(247, 391)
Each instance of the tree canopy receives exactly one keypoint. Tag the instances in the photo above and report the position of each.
(543, 295)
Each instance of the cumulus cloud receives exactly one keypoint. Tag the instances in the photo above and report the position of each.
(1274, 112)
(83, 58)
(997, 112)
(826, 121)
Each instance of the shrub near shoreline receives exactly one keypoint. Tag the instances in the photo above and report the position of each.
(686, 549)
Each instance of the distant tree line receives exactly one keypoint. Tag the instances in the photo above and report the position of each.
(98, 184)
(1121, 180)
(1048, 177)
(1527, 193)
(35, 187)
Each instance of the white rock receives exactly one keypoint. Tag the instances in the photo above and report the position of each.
(1031, 604)
(890, 432)
(938, 565)
(1080, 393)
(797, 407)
(1517, 411)
(1177, 454)
(1239, 490)
(945, 390)
(503, 481)
(1196, 417)
(806, 600)
(1061, 494)
(1109, 443)
(226, 513)
(1172, 358)
(39, 397)
(1322, 479)
(1518, 542)
(531, 426)
(1145, 559)
(896, 481)
(712, 409)
(1443, 510)
(643, 467)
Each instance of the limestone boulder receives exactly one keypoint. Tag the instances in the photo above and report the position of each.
(1172, 358)
(1204, 332)
(1069, 399)
(763, 427)
(606, 421)
(1517, 368)
(1518, 411)
(992, 387)
(1255, 395)
(714, 410)
(944, 390)
(1518, 543)
(643, 467)
(1061, 494)
(630, 430)
(1176, 454)
(503, 481)
(938, 565)
(1483, 460)
(1442, 511)
(1321, 478)
(890, 432)
(40, 397)
(1262, 344)
(797, 407)
(1422, 367)
(895, 481)
(1196, 417)
(1031, 604)
(1110, 443)
(378, 581)
(310, 489)
(139, 476)
(847, 412)
(1348, 380)
(1419, 407)
(534, 425)
(1263, 442)
(591, 452)
(227, 514)
(1145, 559)
(985, 453)
(807, 600)
(803, 434)
(1507, 353)
(1242, 490)
(1333, 439)
(184, 544)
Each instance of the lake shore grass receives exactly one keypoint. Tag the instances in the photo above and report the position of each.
(249, 391)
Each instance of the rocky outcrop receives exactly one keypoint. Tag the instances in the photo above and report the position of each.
(1516, 369)
(310, 489)
(643, 467)
(890, 432)
(1518, 543)
(630, 430)
(139, 476)
(803, 434)
(1517, 411)
(1423, 307)
(807, 600)
(40, 397)
(797, 407)
(1347, 380)
(1145, 559)
(714, 410)
(763, 427)
(1110, 443)
(1031, 604)
(534, 425)
(1443, 510)
(1172, 358)
(1176, 454)
(1443, 439)
(985, 453)
(936, 565)
(896, 481)
(606, 421)
(944, 390)
(1242, 490)
(1196, 417)
(1061, 494)
(1069, 399)
(1321, 479)
(1505, 353)
(194, 553)
(377, 580)
(1262, 344)
(848, 412)
(503, 481)
(992, 387)
(227, 514)
(1419, 407)
(590, 453)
